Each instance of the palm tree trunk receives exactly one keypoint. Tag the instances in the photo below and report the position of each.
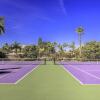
(80, 48)
(16, 51)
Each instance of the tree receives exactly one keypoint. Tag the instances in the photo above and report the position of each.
(2, 55)
(16, 46)
(72, 46)
(65, 46)
(40, 47)
(2, 30)
(50, 48)
(61, 49)
(55, 44)
(80, 32)
(40, 42)
(30, 51)
(45, 48)
(91, 50)
(6, 48)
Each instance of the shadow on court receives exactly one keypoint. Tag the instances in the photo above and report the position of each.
(4, 72)
(10, 68)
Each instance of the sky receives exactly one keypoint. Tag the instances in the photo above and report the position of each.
(52, 20)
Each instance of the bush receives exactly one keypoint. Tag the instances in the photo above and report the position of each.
(2, 55)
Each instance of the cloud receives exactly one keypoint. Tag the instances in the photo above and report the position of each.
(32, 10)
(44, 18)
(62, 6)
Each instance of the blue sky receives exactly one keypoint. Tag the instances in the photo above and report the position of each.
(53, 20)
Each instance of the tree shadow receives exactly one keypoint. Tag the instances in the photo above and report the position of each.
(10, 68)
(4, 72)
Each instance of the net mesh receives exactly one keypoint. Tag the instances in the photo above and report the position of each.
(22, 61)
(77, 61)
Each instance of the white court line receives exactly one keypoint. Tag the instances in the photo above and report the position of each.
(4, 76)
(26, 75)
(93, 70)
(81, 71)
(20, 78)
(71, 75)
(85, 72)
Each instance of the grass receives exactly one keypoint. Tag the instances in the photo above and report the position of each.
(49, 82)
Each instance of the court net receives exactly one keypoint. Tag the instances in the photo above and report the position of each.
(77, 61)
(22, 61)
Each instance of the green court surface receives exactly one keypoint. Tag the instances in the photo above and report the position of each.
(49, 82)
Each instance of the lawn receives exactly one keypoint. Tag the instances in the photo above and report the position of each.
(49, 82)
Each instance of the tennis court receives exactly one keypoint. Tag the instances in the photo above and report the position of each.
(85, 72)
(48, 82)
(14, 70)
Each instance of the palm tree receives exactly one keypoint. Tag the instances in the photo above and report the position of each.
(61, 50)
(40, 41)
(16, 46)
(2, 30)
(6, 48)
(60, 47)
(72, 46)
(30, 51)
(40, 47)
(65, 45)
(80, 32)
(51, 49)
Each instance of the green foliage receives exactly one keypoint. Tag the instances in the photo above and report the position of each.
(45, 49)
(16, 46)
(72, 46)
(6, 48)
(30, 52)
(2, 54)
(91, 50)
(2, 30)
(80, 30)
(40, 42)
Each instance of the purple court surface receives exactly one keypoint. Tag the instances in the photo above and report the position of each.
(12, 74)
(84, 73)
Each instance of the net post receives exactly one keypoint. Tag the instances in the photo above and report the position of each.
(44, 61)
(54, 61)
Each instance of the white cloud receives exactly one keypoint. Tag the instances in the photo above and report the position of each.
(34, 10)
(62, 6)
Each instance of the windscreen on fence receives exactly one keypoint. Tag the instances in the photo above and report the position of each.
(77, 61)
(22, 61)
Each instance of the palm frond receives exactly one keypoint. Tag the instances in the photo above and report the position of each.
(2, 29)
